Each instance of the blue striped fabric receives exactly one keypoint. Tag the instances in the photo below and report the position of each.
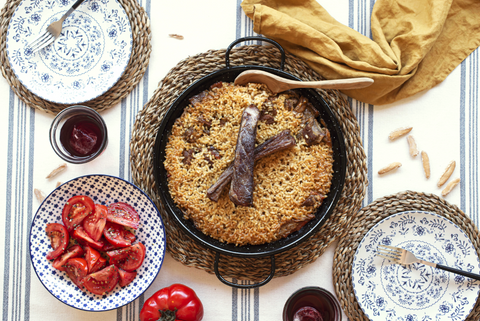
(468, 120)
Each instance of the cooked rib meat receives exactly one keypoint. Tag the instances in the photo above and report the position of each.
(313, 199)
(268, 115)
(311, 111)
(291, 226)
(312, 132)
(204, 121)
(327, 139)
(290, 103)
(208, 160)
(269, 102)
(190, 135)
(214, 152)
(279, 142)
(198, 98)
(188, 156)
(241, 188)
(302, 105)
(267, 118)
(217, 85)
(206, 124)
(216, 189)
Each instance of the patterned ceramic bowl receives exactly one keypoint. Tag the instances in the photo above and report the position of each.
(104, 190)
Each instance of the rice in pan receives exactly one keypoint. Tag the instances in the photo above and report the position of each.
(289, 185)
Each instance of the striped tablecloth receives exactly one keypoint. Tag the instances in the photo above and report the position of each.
(445, 123)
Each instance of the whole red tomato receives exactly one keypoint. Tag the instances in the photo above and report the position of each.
(176, 302)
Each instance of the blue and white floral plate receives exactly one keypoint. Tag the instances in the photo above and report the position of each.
(386, 291)
(86, 60)
(103, 189)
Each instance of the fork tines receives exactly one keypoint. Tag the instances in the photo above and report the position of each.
(41, 41)
(389, 252)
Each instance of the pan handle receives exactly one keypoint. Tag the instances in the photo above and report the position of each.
(282, 52)
(244, 286)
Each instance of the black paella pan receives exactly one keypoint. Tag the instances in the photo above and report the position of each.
(228, 74)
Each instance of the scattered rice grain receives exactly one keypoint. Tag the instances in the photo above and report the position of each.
(446, 174)
(426, 164)
(450, 186)
(176, 36)
(60, 168)
(389, 168)
(397, 133)
(39, 195)
(412, 146)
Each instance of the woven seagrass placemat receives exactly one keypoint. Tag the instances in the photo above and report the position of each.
(374, 213)
(139, 59)
(179, 245)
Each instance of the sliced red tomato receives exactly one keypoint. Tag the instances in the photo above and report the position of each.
(130, 236)
(102, 281)
(95, 222)
(100, 264)
(91, 256)
(118, 235)
(126, 277)
(59, 239)
(77, 270)
(82, 237)
(107, 246)
(123, 214)
(71, 252)
(129, 258)
(75, 210)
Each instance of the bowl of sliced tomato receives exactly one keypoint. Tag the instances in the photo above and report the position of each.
(97, 242)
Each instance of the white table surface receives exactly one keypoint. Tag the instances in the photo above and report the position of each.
(445, 123)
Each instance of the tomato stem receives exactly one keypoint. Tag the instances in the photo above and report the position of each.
(168, 315)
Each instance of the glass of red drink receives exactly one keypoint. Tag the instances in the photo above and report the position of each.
(312, 303)
(78, 134)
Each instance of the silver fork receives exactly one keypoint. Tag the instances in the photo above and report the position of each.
(402, 256)
(53, 31)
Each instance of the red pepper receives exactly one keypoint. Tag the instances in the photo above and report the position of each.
(176, 302)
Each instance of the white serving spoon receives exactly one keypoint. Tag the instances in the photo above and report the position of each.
(278, 84)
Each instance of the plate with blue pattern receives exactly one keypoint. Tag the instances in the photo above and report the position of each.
(84, 62)
(392, 292)
(103, 189)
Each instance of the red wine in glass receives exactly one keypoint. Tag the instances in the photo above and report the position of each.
(81, 135)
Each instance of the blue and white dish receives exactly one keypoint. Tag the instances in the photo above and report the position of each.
(103, 189)
(85, 61)
(386, 291)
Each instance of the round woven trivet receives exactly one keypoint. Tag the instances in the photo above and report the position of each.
(374, 213)
(181, 246)
(141, 49)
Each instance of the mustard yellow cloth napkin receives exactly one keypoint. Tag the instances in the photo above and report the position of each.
(416, 43)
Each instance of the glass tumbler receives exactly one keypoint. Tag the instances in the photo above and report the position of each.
(320, 299)
(78, 134)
